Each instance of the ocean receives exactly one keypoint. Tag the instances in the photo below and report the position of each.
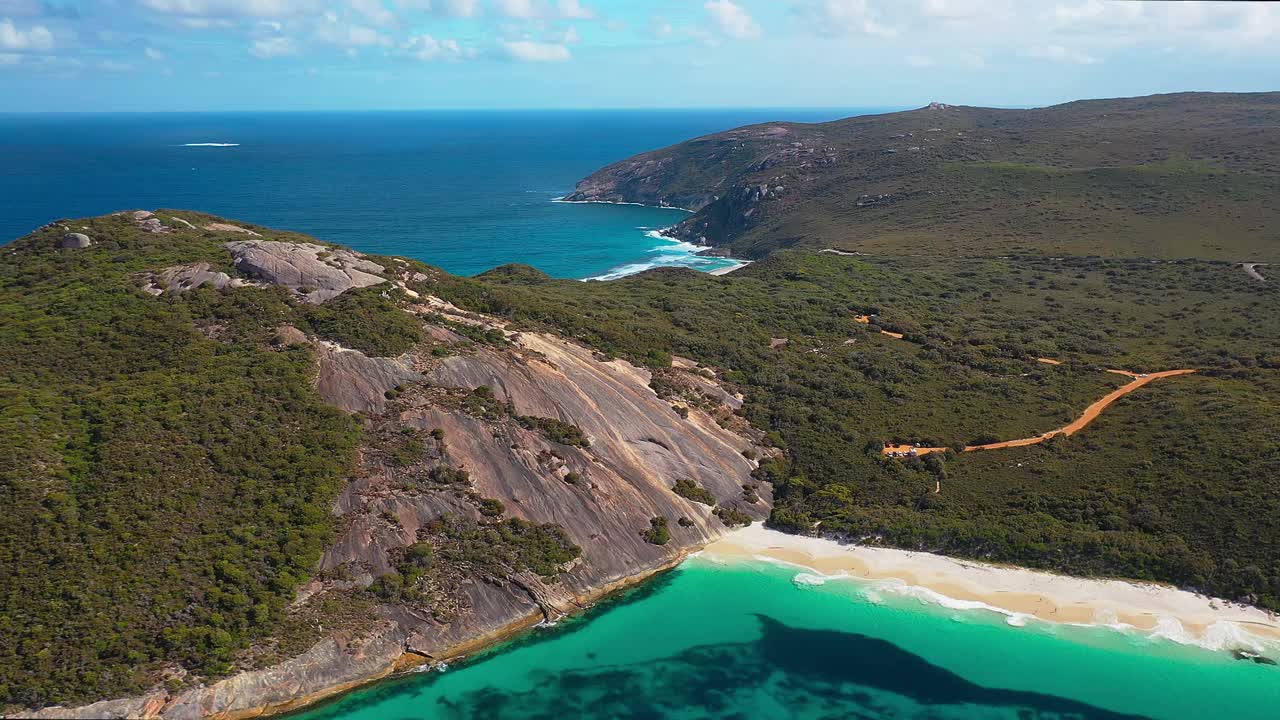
(761, 640)
(466, 191)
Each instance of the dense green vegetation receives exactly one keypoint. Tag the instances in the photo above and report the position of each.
(1181, 494)
(1167, 176)
(166, 479)
(691, 490)
(499, 549)
(367, 320)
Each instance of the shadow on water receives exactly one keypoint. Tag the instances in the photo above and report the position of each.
(788, 672)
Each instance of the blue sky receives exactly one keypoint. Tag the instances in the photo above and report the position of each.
(148, 55)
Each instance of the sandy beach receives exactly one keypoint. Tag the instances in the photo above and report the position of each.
(1018, 593)
(726, 270)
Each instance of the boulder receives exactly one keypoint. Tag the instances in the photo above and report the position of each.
(181, 278)
(75, 241)
(316, 272)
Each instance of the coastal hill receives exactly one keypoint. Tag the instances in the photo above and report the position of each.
(243, 469)
(1165, 176)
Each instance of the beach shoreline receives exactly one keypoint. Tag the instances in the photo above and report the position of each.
(1019, 594)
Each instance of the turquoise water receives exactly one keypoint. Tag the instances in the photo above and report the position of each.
(746, 641)
(465, 191)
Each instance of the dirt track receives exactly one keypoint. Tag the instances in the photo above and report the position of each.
(1090, 413)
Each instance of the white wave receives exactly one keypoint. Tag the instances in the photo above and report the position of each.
(810, 579)
(210, 144)
(561, 199)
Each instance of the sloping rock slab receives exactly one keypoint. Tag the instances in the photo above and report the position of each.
(301, 267)
(354, 382)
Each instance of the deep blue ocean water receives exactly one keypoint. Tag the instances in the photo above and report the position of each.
(466, 191)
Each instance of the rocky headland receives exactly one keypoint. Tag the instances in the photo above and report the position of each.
(505, 477)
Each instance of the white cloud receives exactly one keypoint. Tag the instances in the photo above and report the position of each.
(333, 31)
(530, 51)
(37, 39)
(1058, 53)
(115, 66)
(374, 11)
(204, 23)
(274, 47)
(446, 8)
(919, 61)
(153, 54)
(573, 10)
(732, 19)
(234, 8)
(428, 48)
(518, 8)
(955, 9)
(1094, 15)
(833, 17)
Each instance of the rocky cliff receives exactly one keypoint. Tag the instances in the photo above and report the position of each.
(506, 477)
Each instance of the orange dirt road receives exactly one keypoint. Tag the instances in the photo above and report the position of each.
(866, 320)
(1091, 413)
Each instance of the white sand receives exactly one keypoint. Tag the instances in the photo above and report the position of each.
(726, 270)
(1017, 592)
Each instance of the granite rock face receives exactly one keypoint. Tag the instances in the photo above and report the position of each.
(602, 493)
(356, 383)
(181, 278)
(316, 272)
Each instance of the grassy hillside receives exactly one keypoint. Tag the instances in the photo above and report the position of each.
(1172, 176)
(1174, 483)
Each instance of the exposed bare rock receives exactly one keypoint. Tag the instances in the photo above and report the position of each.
(1251, 269)
(184, 222)
(316, 272)
(227, 227)
(181, 278)
(288, 335)
(74, 241)
(149, 222)
(357, 383)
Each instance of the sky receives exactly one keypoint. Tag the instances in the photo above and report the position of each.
(214, 55)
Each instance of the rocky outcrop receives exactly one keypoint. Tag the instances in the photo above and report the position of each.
(354, 382)
(149, 222)
(181, 278)
(228, 227)
(74, 241)
(602, 495)
(696, 174)
(317, 273)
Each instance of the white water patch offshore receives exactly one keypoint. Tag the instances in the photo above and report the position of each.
(669, 252)
(210, 144)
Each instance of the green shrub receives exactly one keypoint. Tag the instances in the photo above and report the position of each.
(657, 533)
(691, 490)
